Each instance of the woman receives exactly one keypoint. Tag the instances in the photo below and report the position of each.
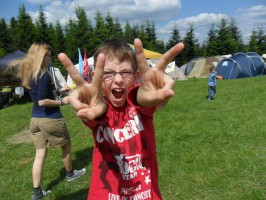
(47, 125)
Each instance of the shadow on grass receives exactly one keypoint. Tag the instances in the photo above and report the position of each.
(83, 157)
(79, 195)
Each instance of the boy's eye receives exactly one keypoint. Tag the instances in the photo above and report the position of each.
(111, 75)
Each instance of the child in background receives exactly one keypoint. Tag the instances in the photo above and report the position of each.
(124, 164)
(212, 84)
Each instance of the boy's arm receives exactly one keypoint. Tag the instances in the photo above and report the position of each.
(87, 100)
(156, 87)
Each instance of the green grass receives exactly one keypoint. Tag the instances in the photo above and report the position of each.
(211, 150)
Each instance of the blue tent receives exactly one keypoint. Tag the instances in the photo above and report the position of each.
(228, 68)
(7, 76)
(10, 57)
(241, 65)
(257, 62)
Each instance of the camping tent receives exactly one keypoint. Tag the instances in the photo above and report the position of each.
(148, 53)
(241, 65)
(10, 57)
(201, 67)
(263, 56)
(228, 68)
(175, 72)
(187, 68)
(6, 76)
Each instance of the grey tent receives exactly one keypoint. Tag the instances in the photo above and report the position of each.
(7, 76)
(10, 57)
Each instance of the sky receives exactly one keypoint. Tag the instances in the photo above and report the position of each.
(166, 14)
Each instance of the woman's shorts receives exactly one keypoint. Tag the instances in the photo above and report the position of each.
(46, 132)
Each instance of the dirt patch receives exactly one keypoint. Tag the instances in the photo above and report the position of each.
(22, 137)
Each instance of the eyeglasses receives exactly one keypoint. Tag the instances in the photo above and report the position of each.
(107, 76)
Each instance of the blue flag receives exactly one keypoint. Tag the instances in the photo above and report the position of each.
(80, 63)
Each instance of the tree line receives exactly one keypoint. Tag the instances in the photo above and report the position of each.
(223, 38)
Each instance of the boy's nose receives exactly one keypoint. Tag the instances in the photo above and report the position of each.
(118, 77)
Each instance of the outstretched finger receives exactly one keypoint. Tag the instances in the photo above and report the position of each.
(98, 74)
(71, 69)
(141, 59)
(169, 55)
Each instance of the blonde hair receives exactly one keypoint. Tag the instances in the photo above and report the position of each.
(30, 66)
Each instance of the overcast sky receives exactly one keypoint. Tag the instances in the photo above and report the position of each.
(248, 14)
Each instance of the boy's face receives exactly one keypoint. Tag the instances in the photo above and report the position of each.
(118, 78)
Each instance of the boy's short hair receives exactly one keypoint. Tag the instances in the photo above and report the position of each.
(119, 49)
(212, 69)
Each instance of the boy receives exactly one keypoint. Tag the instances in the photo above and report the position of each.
(212, 84)
(124, 162)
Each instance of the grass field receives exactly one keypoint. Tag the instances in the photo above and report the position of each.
(211, 150)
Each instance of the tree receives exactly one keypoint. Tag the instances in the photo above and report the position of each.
(175, 39)
(191, 44)
(225, 39)
(253, 46)
(41, 31)
(100, 31)
(118, 30)
(71, 48)
(237, 41)
(261, 40)
(211, 45)
(150, 35)
(109, 23)
(12, 27)
(79, 34)
(128, 33)
(144, 37)
(257, 42)
(5, 38)
(58, 45)
(24, 34)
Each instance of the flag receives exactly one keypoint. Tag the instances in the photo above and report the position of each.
(86, 68)
(80, 63)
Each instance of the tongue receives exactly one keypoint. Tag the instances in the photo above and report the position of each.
(117, 95)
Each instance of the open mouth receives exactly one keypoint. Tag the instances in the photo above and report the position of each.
(118, 93)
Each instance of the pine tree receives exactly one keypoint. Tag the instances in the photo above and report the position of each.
(128, 35)
(175, 39)
(261, 40)
(225, 39)
(257, 42)
(41, 30)
(24, 34)
(71, 47)
(58, 45)
(237, 41)
(118, 30)
(12, 28)
(150, 35)
(211, 44)
(191, 44)
(5, 38)
(109, 23)
(84, 32)
(100, 31)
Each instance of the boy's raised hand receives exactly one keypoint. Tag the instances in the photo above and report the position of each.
(156, 87)
(87, 100)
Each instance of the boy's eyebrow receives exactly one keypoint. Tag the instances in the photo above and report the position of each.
(123, 70)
